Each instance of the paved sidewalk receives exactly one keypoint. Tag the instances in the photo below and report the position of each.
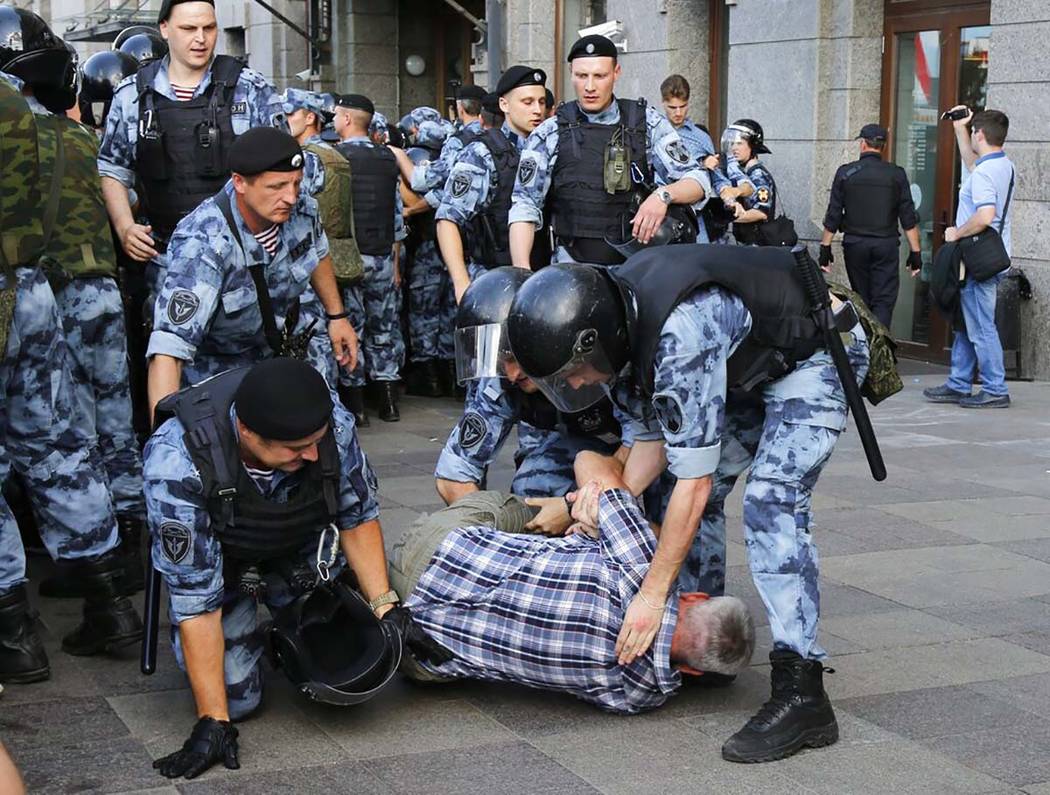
(936, 597)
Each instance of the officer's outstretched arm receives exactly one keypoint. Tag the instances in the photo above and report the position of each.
(203, 648)
(452, 490)
(522, 235)
(363, 548)
(451, 244)
(645, 461)
(165, 374)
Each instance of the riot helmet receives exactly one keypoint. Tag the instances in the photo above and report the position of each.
(332, 647)
(481, 323)
(31, 51)
(747, 130)
(568, 331)
(678, 226)
(99, 77)
(128, 32)
(145, 46)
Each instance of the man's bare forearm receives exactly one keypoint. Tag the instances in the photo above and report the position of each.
(912, 235)
(685, 191)
(118, 204)
(451, 244)
(452, 490)
(165, 376)
(644, 464)
(326, 287)
(522, 236)
(203, 648)
(684, 511)
(363, 548)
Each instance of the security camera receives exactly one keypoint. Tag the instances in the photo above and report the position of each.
(304, 75)
(612, 30)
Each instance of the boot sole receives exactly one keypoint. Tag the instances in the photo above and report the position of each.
(943, 399)
(813, 738)
(27, 677)
(109, 644)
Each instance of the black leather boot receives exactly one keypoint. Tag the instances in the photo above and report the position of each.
(353, 398)
(22, 655)
(386, 400)
(110, 620)
(424, 379)
(68, 580)
(798, 714)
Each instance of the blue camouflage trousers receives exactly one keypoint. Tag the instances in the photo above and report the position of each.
(42, 440)
(245, 643)
(431, 305)
(373, 307)
(93, 323)
(786, 434)
(544, 461)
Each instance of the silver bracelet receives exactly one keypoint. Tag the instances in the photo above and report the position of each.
(649, 604)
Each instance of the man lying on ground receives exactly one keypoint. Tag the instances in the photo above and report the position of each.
(545, 612)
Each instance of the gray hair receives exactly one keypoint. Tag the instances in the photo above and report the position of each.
(718, 635)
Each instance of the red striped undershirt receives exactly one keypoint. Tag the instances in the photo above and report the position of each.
(268, 239)
(183, 93)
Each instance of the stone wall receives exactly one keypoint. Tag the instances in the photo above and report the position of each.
(1019, 85)
(529, 32)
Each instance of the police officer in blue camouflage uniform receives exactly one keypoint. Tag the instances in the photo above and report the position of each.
(744, 141)
(303, 502)
(379, 229)
(722, 332)
(238, 267)
(429, 177)
(615, 149)
(379, 129)
(306, 129)
(472, 218)
(674, 93)
(501, 397)
(42, 436)
(170, 128)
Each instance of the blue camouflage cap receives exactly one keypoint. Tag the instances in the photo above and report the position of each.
(294, 99)
(433, 133)
(378, 123)
(417, 116)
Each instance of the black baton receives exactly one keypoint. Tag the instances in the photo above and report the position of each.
(817, 291)
(150, 616)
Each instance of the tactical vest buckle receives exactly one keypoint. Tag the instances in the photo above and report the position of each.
(227, 494)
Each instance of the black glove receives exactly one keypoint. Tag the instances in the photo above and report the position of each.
(422, 646)
(915, 260)
(211, 741)
(826, 257)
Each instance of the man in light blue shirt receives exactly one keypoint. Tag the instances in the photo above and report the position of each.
(983, 198)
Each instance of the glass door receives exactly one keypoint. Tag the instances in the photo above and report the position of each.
(933, 60)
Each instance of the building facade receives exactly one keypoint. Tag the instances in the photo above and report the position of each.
(811, 71)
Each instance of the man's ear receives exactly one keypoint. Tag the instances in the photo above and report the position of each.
(694, 596)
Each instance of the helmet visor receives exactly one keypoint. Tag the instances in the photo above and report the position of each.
(582, 381)
(732, 135)
(481, 352)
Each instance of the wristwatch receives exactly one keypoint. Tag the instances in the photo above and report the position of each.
(665, 196)
(388, 598)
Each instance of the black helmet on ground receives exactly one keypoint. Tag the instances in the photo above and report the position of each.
(747, 130)
(331, 646)
(568, 331)
(144, 47)
(31, 51)
(99, 77)
(481, 331)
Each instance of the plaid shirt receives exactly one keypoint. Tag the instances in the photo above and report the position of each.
(545, 612)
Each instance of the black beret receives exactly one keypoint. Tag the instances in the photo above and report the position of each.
(355, 102)
(875, 132)
(167, 5)
(520, 76)
(490, 104)
(471, 92)
(593, 46)
(550, 99)
(283, 399)
(264, 149)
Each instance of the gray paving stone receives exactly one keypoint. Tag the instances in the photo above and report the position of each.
(59, 723)
(999, 618)
(1038, 548)
(1014, 754)
(348, 777)
(932, 712)
(108, 765)
(1028, 693)
(1034, 641)
(873, 529)
(508, 768)
(895, 629)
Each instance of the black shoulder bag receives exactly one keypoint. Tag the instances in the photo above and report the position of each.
(984, 254)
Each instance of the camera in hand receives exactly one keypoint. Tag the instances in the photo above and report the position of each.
(955, 115)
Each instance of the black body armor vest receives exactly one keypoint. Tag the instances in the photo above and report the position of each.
(488, 234)
(870, 198)
(182, 155)
(782, 333)
(596, 422)
(584, 214)
(373, 179)
(250, 527)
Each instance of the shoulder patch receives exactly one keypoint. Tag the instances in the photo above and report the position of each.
(238, 107)
(472, 430)
(668, 412)
(460, 185)
(762, 194)
(182, 306)
(526, 170)
(676, 151)
(175, 541)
